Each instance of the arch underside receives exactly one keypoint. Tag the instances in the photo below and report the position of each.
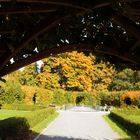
(31, 30)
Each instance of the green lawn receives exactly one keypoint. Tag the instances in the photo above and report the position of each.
(4, 114)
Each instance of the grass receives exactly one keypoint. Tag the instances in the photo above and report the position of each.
(4, 114)
(119, 129)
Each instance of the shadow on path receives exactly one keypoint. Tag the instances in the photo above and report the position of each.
(43, 137)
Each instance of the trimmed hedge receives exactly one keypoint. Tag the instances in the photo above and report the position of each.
(39, 115)
(22, 107)
(109, 98)
(129, 125)
(17, 128)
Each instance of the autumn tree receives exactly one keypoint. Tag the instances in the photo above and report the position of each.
(75, 71)
(102, 75)
(48, 80)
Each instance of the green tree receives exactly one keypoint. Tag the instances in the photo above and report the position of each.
(27, 76)
(11, 93)
(137, 86)
(126, 79)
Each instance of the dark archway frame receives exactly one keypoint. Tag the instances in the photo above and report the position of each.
(39, 17)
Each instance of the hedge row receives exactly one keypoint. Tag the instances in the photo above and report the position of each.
(129, 125)
(109, 98)
(60, 97)
(20, 128)
(23, 107)
(37, 116)
(35, 95)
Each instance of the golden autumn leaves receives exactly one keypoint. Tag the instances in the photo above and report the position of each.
(75, 71)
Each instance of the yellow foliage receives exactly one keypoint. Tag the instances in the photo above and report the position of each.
(29, 93)
(75, 71)
(133, 95)
(43, 96)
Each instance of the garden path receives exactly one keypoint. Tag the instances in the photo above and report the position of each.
(79, 124)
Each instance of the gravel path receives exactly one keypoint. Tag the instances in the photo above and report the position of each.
(79, 125)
